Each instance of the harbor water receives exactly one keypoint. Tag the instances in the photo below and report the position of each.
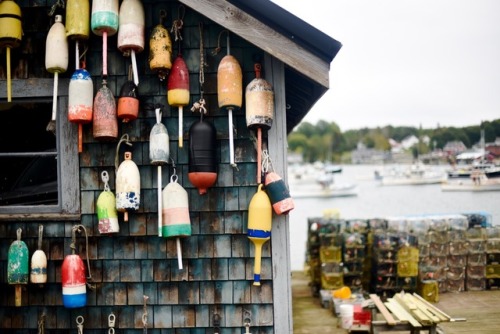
(376, 201)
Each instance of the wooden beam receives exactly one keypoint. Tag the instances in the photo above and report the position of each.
(422, 300)
(381, 307)
(412, 309)
(401, 313)
(262, 36)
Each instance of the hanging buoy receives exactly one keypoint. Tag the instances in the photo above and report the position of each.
(230, 92)
(104, 22)
(38, 274)
(178, 90)
(74, 282)
(279, 194)
(17, 266)
(131, 31)
(106, 209)
(202, 155)
(78, 19)
(160, 49)
(105, 122)
(159, 153)
(56, 61)
(80, 101)
(176, 220)
(259, 105)
(260, 216)
(10, 34)
(128, 103)
(128, 182)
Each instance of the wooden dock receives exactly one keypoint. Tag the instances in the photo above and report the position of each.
(481, 309)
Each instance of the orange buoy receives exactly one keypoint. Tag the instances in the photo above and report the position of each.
(230, 92)
(128, 102)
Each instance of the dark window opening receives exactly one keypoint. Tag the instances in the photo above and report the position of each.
(28, 155)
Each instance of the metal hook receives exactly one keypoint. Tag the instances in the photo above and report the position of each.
(105, 179)
(79, 324)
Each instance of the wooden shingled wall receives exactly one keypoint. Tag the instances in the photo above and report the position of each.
(217, 278)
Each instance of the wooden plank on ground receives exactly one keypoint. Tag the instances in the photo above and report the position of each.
(401, 313)
(381, 307)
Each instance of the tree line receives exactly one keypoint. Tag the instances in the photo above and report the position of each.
(326, 142)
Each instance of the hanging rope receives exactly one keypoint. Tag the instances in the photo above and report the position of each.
(218, 48)
(177, 24)
(145, 315)
(75, 229)
(200, 104)
(59, 3)
(124, 138)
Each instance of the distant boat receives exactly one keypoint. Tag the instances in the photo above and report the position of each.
(318, 191)
(317, 181)
(416, 174)
(477, 183)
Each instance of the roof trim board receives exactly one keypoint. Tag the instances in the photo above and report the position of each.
(264, 37)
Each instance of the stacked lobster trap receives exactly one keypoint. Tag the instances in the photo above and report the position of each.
(428, 254)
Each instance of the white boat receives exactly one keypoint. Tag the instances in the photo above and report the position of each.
(312, 181)
(318, 191)
(416, 174)
(478, 183)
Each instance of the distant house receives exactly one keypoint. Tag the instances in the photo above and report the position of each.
(364, 155)
(454, 147)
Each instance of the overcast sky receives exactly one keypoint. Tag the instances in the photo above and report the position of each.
(408, 62)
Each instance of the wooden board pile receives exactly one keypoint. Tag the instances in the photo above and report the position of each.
(410, 310)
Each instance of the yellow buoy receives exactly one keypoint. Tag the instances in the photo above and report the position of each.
(260, 214)
(10, 34)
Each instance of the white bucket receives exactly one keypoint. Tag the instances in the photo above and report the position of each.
(346, 315)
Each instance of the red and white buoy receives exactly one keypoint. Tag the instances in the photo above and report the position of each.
(73, 279)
